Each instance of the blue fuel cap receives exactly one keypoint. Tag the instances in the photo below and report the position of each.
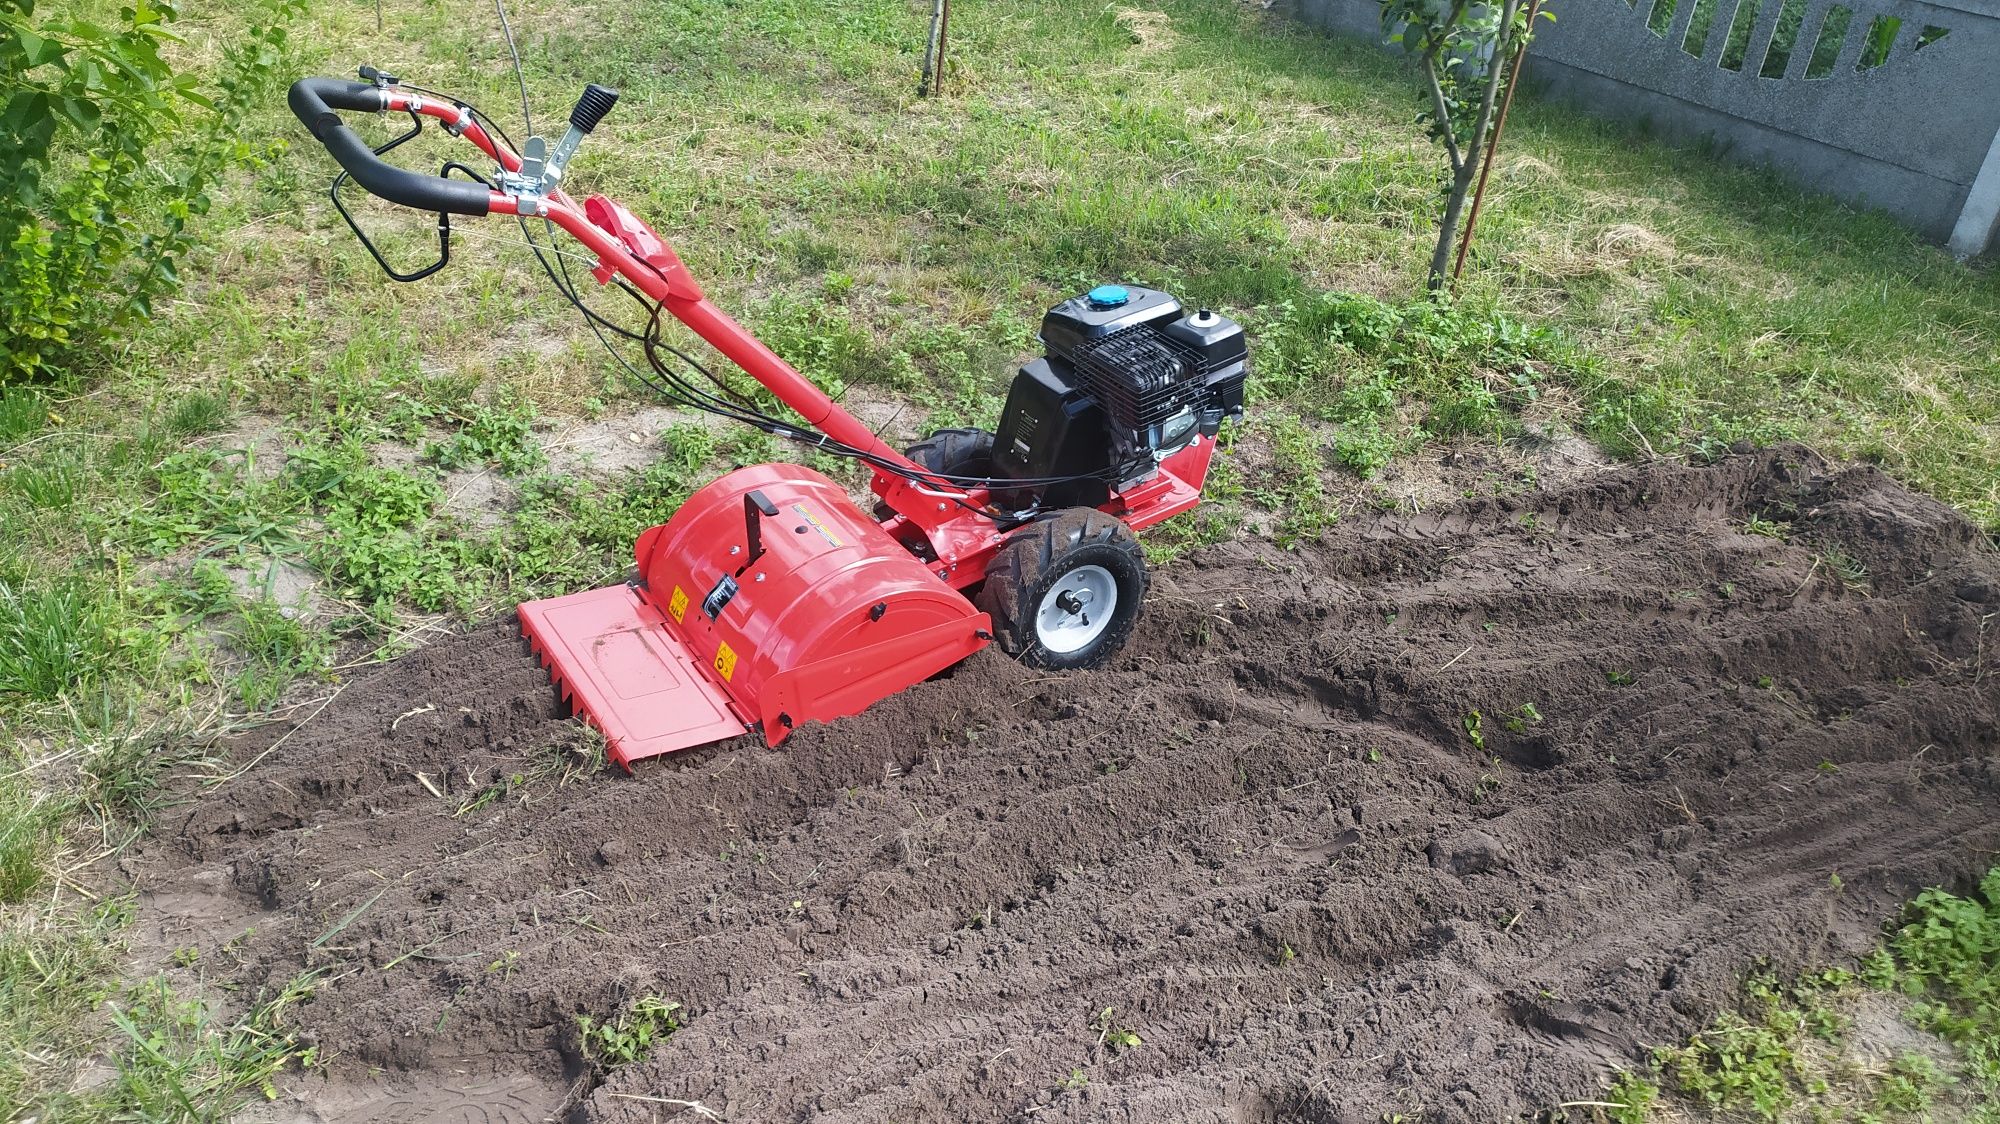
(1108, 296)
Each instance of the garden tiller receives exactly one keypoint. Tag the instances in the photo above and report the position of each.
(771, 599)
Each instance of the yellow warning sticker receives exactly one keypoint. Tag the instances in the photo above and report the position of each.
(807, 515)
(677, 606)
(725, 662)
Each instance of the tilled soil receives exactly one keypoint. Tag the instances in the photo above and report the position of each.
(1447, 814)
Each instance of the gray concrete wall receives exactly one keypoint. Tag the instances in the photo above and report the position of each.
(1916, 133)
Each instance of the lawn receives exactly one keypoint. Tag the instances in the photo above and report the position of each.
(298, 467)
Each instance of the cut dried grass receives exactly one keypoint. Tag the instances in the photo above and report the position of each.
(1629, 242)
(1152, 31)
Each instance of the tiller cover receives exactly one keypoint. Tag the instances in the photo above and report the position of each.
(768, 601)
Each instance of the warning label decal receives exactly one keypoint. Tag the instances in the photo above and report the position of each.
(813, 520)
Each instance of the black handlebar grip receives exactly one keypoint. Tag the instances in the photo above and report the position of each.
(592, 106)
(314, 100)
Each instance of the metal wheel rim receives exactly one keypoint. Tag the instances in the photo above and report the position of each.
(1076, 610)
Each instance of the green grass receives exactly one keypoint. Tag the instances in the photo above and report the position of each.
(293, 410)
(56, 636)
(30, 822)
(1788, 1053)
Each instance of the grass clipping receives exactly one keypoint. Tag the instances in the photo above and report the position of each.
(1152, 31)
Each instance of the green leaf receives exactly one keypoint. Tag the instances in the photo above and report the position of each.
(82, 113)
(37, 51)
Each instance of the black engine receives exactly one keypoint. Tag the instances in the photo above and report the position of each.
(1130, 378)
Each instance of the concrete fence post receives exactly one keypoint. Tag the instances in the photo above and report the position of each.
(1979, 223)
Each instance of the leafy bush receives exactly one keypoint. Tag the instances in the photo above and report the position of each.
(110, 153)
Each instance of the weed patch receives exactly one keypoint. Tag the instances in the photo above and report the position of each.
(630, 1036)
(1394, 376)
(1945, 955)
(1783, 1056)
(56, 636)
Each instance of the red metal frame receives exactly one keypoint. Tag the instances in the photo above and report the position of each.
(770, 599)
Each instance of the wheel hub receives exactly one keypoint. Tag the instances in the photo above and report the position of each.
(1076, 609)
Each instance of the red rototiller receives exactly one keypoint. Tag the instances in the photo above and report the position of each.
(770, 599)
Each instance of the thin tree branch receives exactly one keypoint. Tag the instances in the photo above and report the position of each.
(1482, 125)
(1444, 122)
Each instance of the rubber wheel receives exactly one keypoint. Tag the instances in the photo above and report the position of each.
(950, 452)
(955, 452)
(1065, 591)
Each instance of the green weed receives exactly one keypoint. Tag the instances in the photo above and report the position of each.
(1758, 525)
(1521, 718)
(56, 636)
(1846, 569)
(1112, 1035)
(1394, 376)
(501, 436)
(1782, 1057)
(1631, 1097)
(178, 1063)
(1292, 486)
(198, 414)
(279, 650)
(124, 751)
(54, 979)
(1912, 1085)
(212, 497)
(1945, 953)
(649, 1021)
(22, 411)
(1734, 1065)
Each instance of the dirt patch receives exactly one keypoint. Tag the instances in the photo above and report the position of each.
(613, 444)
(1449, 813)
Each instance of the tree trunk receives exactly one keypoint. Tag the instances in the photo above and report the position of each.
(1454, 207)
(1465, 165)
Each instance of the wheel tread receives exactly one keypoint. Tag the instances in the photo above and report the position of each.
(1015, 576)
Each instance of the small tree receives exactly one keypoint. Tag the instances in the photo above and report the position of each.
(108, 156)
(1464, 48)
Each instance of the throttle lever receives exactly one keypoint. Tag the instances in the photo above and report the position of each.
(591, 107)
(543, 174)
